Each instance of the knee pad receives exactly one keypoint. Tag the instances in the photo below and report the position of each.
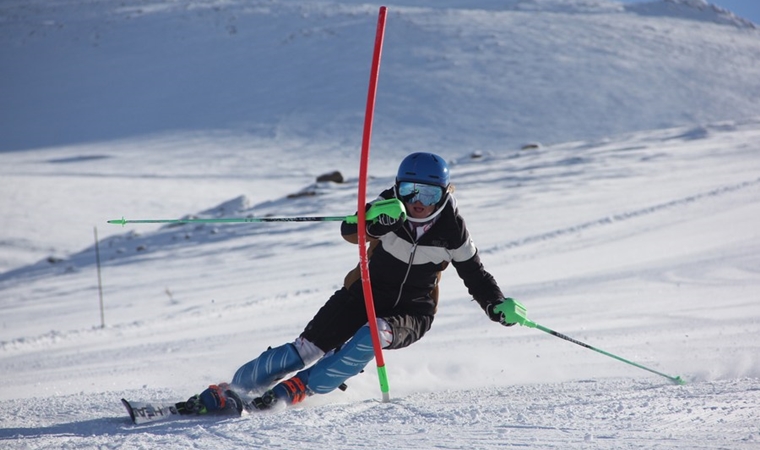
(385, 331)
(308, 352)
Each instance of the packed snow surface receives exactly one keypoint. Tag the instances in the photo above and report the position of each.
(628, 223)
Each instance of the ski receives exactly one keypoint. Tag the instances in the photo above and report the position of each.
(146, 412)
(142, 412)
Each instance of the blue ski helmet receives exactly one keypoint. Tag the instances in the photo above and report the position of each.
(427, 168)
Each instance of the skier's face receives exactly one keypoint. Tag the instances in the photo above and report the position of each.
(417, 210)
(420, 199)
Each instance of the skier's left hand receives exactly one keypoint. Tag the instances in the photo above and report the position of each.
(497, 316)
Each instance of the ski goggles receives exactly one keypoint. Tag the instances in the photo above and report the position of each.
(427, 194)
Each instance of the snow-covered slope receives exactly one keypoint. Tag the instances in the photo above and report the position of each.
(644, 245)
(622, 230)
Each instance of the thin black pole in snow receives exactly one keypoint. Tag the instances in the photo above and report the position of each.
(100, 282)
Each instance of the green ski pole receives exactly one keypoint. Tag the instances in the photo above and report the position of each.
(515, 312)
(389, 207)
(124, 221)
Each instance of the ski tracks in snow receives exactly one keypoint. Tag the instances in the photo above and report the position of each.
(611, 413)
(623, 216)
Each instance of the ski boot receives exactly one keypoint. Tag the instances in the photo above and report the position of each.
(217, 399)
(288, 392)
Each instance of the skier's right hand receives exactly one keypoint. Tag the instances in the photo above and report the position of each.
(383, 224)
(386, 216)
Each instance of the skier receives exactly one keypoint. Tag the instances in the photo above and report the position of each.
(408, 249)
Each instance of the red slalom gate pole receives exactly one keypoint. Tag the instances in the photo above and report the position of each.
(363, 259)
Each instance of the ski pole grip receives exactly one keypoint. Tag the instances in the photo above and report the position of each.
(391, 207)
(514, 312)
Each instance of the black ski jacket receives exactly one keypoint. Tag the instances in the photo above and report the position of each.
(405, 271)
